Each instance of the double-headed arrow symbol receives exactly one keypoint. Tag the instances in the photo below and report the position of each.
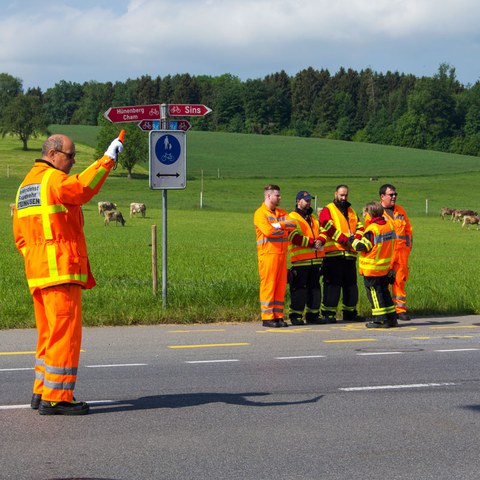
(168, 174)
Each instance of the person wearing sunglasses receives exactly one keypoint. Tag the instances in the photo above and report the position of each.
(48, 232)
(403, 246)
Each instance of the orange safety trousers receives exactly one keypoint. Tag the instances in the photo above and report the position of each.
(58, 315)
(273, 284)
(400, 265)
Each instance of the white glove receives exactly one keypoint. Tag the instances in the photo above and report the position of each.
(114, 149)
(276, 225)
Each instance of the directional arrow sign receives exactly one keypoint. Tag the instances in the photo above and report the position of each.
(133, 113)
(148, 125)
(179, 125)
(180, 109)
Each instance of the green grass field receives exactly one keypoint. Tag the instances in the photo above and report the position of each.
(212, 272)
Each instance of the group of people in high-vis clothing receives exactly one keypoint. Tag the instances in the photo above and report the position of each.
(328, 246)
(48, 232)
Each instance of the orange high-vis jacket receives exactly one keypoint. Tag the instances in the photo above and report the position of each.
(377, 260)
(269, 238)
(48, 223)
(340, 225)
(304, 254)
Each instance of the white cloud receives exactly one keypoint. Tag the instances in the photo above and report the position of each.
(112, 40)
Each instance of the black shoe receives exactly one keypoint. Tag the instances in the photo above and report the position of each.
(36, 397)
(316, 321)
(392, 324)
(63, 408)
(282, 323)
(296, 321)
(329, 319)
(356, 318)
(274, 323)
(404, 316)
(377, 325)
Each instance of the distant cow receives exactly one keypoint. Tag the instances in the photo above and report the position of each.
(12, 209)
(471, 220)
(114, 216)
(445, 211)
(137, 208)
(458, 215)
(105, 207)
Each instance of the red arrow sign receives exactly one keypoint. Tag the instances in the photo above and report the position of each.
(134, 113)
(147, 125)
(179, 125)
(179, 109)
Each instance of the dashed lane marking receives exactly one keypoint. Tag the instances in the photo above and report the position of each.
(300, 357)
(118, 365)
(395, 387)
(214, 361)
(380, 353)
(458, 350)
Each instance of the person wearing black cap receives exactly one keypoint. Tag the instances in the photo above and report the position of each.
(305, 251)
(339, 266)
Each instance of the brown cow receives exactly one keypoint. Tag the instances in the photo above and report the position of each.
(114, 216)
(471, 220)
(105, 207)
(138, 208)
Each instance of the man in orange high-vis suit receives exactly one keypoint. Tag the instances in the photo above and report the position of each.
(48, 232)
(272, 227)
(403, 246)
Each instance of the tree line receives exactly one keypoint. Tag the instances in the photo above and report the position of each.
(392, 108)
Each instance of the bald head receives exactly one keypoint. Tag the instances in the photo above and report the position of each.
(59, 150)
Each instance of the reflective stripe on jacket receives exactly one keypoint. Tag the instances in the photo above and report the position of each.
(377, 260)
(271, 239)
(304, 254)
(332, 247)
(48, 223)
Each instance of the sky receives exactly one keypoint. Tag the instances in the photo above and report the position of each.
(45, 42)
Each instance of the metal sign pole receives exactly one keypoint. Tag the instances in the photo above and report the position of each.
(164, 248)
(163, 125)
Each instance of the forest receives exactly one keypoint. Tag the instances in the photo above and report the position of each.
(392, 108)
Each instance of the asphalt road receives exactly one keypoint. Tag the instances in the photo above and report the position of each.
(243, 402)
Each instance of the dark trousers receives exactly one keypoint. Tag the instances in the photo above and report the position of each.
(305, 293)
(340, 277)
(380, 299)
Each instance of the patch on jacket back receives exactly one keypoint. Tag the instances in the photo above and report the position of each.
(29, 196)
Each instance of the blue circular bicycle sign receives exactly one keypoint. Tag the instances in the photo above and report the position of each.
(167, 149)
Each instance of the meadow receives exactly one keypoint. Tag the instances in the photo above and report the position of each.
(212, 271)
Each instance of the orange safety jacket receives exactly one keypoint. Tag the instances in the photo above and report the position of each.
(304, 254)
(271, 239)
(48, 223)
(376, 261)
(352, 227)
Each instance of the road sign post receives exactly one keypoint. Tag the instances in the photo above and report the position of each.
(167, 151)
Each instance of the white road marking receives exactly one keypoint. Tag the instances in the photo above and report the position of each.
(118, 365)
(300, 357)
(395, 387)
(213, 361)
(380, 353)
(15, 369)
(458, 350)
